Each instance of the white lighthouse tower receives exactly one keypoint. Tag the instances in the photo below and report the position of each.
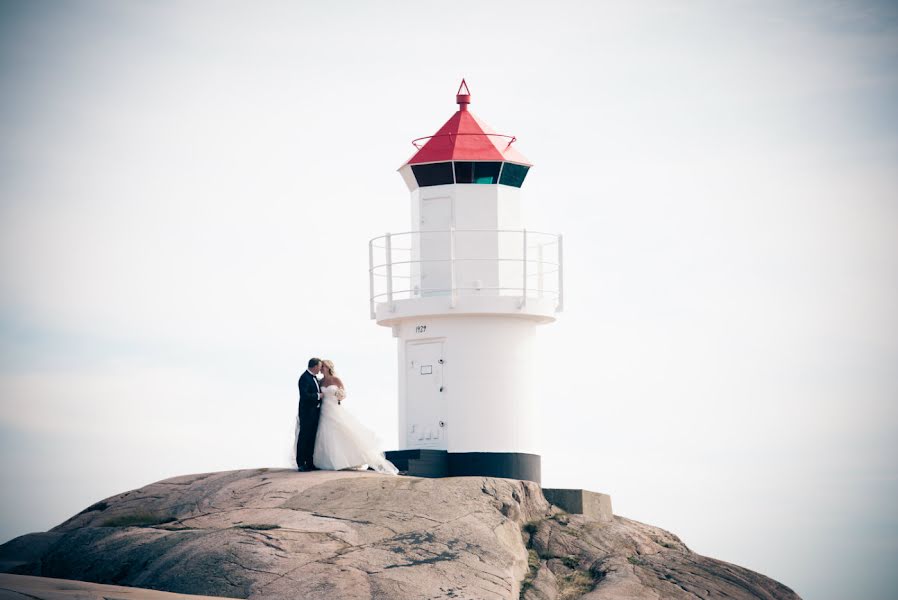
(463, 291)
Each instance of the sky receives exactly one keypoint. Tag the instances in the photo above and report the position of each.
(187, 191)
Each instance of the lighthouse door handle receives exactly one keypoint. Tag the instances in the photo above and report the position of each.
(441, 388)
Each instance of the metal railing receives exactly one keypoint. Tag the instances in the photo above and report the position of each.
(465, 262)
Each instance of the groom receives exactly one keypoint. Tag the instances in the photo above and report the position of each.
(309, 410)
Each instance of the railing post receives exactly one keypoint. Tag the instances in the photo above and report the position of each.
(453, 298)
(371, 279)
(560, 306)
(389, 248)
(540, 282)
(524, 282)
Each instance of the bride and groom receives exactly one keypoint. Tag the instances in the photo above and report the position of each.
(328, 436)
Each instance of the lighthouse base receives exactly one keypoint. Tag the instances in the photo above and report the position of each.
(422, 462)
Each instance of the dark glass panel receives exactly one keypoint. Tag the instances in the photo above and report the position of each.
(464, 172)
(477, 172)
(433, 174)
(486, 172)
(513, 174)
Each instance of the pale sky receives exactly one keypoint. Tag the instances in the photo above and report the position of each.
(725, 176)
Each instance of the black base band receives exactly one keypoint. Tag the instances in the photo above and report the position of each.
(439, 463)
(513, 465)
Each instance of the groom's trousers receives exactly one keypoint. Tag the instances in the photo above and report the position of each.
(308, 430)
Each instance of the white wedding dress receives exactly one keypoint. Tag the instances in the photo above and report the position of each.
(344, 443)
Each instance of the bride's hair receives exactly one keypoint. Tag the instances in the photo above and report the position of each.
(330, 366)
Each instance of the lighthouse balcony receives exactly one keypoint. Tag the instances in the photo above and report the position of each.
(466, 271)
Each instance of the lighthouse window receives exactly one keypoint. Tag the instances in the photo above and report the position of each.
(477, 172)
(433, 174)
(513, 175)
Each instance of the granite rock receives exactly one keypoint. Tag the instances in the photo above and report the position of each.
(361, 535)
(26, 587)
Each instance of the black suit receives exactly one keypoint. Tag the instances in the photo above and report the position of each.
(309, 410)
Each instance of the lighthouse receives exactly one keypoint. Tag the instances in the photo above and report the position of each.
(463, 291)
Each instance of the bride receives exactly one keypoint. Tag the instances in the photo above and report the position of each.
(342, 442)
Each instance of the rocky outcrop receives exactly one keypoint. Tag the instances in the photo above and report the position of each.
(25, 587)
(573, 557)
(328, 535)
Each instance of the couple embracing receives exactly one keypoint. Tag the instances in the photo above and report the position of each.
(329, 437)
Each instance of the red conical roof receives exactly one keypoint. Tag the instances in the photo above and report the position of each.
(465, 137)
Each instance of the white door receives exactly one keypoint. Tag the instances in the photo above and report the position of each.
(426, 406)
(436, 219)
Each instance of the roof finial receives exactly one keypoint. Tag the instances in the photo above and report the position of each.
(463, 96)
